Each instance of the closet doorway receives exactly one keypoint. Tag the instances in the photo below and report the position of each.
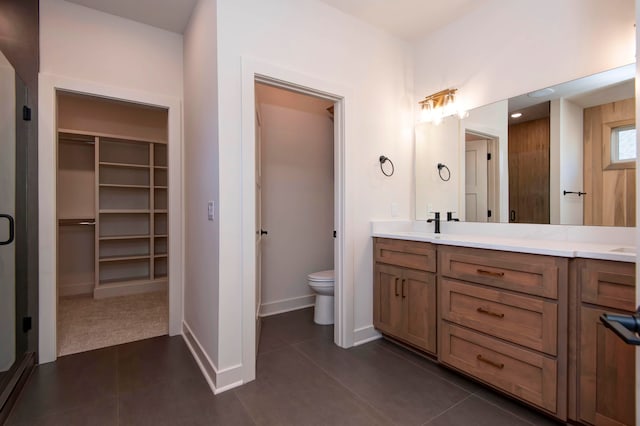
(112, 234)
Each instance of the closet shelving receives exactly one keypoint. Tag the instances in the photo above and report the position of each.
(129, 212)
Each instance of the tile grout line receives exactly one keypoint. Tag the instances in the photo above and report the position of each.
(448, 409)
(348, 389)
(454, 384)
(427, 370)
(503, 409)
(244, 407)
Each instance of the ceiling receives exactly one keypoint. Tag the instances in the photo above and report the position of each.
(408, 19)
(608, 86)
(170, 15)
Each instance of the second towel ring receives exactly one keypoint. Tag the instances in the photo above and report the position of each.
(443, 166)
(383, 160)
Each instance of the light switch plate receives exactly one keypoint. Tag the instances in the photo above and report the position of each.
(210, 211)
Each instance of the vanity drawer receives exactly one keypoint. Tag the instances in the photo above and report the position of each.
(410, 254)
(609, 284)
(526, 273)
(522, 373)
(525, 320)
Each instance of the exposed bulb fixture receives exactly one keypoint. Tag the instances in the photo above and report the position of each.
(516, 115)
(436, 107)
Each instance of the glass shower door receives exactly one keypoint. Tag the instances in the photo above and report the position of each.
(14, 131)
(7, 222)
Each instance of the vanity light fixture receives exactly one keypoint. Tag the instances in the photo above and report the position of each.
(440, 105)
(516, 115)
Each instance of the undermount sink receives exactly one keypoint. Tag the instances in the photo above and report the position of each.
(630, 250)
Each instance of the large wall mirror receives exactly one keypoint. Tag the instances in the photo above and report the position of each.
(564, 154)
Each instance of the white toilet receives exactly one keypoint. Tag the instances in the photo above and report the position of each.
(322, 285)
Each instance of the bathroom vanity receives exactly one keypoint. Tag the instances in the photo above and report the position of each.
(519, 315)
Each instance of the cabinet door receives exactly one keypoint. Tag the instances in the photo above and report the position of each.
(387, 306)
(419, 302)
(607, 373)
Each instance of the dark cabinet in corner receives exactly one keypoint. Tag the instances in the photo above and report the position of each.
(404, 305)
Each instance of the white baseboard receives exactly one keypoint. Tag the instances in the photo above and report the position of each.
(218, 380)
(286, 305)
(365, 335)
(75, 289)
(128, 288)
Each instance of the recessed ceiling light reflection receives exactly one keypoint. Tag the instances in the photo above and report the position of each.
(516, 115)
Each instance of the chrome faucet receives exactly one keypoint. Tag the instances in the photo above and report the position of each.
(436, 219)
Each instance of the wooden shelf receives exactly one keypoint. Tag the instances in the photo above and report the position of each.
(125, 237)
(123, 198)
(124, 211)
(111, 136)
(125, 165)
(124, 258)
(113, 185)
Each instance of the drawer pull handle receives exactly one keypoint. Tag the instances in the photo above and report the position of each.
(404, 281)
(492, 273)
(396, 286)
(497, 365)
(488, 312)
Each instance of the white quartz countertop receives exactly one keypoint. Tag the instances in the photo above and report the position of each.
(561, 248)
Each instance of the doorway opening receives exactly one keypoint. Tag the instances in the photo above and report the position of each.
(295, 204)
(482, 177)
(112, 222)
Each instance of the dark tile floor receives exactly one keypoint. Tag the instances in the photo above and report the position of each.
(302, 379)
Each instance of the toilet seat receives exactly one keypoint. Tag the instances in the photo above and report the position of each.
(322, 276)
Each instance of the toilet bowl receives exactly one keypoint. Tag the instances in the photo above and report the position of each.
(322, 285)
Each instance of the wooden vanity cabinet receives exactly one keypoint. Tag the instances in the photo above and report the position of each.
(404, 305)
(605, 364)
(503, 320)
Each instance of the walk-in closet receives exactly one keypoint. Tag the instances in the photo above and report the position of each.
(112, 222)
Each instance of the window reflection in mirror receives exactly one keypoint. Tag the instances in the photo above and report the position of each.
(546, 149)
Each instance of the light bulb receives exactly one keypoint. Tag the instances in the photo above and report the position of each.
(449, 105)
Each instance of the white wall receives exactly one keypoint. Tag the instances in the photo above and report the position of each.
(86, 44)
(202, 245)
(507, 48)
(297, 195)
(87, 51)
(317, 41)
(566, 149)
(492, 120)
(7, 206)
(438, 190)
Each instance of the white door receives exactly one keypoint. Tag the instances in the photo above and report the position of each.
(476, 181)
(7, 213)
(259, 230)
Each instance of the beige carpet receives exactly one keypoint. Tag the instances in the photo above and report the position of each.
(85, 324)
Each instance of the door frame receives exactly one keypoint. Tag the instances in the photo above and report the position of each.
(257, 71)
(49, 85)
(493, 172)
